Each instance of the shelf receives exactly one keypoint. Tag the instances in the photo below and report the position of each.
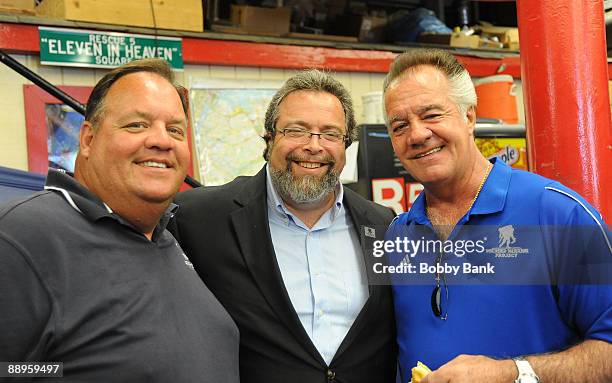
(19, 34)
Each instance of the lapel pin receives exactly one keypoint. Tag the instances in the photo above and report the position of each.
(369, 232)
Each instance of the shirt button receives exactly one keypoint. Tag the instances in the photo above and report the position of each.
(320, 313)
(331, 376)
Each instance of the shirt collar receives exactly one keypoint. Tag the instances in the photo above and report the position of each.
(417, 212)
(491, 198)
(89, 204)
(279, 208)
(77, 195)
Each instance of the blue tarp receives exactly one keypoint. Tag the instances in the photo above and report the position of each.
(17, 183)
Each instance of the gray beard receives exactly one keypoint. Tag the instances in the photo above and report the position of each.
(304, 189)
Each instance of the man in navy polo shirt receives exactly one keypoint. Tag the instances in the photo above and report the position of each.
(525, 309)
(89, 275)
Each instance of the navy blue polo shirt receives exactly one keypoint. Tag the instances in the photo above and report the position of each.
(82, 286)
(514, 314)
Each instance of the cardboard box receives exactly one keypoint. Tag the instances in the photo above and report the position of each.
(17, 6)
(176, 14)
(273, 21)
(458, 39)
(508, 36)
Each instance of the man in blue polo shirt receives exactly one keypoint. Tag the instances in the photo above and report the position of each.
(529, 306)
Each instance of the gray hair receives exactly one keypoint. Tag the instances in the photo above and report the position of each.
(309, 80)
(461, 87)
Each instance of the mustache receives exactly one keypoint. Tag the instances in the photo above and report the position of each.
(327, 159)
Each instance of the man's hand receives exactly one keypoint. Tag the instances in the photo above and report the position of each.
(474, 369)
(588, 361)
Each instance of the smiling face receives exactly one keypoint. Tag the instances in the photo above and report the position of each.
(430, 136)
(307, 172)
(138, 151)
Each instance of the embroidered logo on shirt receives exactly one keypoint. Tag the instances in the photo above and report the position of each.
(187, 261)
(506, 236)
(504, 249)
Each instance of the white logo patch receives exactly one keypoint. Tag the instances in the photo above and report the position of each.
(506, 239)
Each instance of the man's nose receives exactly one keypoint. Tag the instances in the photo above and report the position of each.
(314, 144)
(158, 137)
(419, 134)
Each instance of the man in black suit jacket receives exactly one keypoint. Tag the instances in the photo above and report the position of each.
(257, 242)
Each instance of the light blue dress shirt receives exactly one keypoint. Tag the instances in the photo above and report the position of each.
(322, 268)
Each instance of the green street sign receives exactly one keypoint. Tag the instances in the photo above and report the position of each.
(95, 49)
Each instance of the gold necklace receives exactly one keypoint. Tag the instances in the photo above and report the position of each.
(487, 171)
(489, 166)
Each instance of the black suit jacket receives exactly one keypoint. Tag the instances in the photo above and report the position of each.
(224, 231)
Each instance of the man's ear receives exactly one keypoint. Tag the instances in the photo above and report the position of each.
(86, 137)
(471, 119)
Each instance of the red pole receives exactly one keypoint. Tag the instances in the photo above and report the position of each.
(565, 86)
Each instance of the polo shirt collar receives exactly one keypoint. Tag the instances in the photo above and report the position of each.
(492, 197)
(89, 204)
(77, 195)
(417, 212)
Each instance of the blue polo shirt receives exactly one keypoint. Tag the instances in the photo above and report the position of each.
(505, 319)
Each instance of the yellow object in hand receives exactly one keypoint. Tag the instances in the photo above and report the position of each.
(419, 372)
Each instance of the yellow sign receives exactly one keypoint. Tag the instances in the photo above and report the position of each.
(512, 151)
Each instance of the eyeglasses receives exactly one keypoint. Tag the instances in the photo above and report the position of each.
(439, 308)
(303, 136)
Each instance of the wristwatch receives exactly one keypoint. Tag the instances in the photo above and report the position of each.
(525, 372)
